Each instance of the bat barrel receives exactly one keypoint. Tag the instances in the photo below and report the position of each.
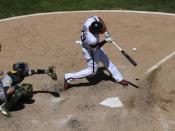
(129, 58)
(125, 54)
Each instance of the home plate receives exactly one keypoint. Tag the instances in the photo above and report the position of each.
(112, 102)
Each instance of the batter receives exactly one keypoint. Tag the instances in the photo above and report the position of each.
(94, 53)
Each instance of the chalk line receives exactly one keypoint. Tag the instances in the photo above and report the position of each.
(160, 62)
(88, 11)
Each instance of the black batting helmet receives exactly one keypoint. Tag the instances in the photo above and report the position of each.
(96, 27)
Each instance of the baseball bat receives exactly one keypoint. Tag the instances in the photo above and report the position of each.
(133, 85)
(125, 54)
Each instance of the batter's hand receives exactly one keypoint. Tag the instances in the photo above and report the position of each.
(107, 34)
(109, 39)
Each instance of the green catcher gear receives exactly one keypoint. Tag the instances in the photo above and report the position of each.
(15, 98)
(27, 88)
(5, 107)
(52, 72)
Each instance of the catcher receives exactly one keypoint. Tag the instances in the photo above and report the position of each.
(10, 89)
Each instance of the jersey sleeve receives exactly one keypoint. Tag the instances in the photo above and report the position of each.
(90, 39)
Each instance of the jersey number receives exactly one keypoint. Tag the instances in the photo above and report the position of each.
(83, 35)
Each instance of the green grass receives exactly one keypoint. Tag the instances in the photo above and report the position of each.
(9, 8)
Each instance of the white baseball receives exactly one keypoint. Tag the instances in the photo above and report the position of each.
(134, 49)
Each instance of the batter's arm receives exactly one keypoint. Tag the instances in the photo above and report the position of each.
(102, 43)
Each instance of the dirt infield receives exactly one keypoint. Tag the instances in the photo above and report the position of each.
(50, 40)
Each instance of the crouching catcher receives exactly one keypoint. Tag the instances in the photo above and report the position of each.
(11, 89)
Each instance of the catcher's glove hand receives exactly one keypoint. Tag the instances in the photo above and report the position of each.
(52, 72)
(27, 87)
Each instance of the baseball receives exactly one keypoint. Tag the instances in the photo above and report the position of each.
(134, 49)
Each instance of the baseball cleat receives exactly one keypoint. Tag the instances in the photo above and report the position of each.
(66, 85)
(4, 111)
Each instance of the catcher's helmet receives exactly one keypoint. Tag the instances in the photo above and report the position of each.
(96, 27)
(21, 67)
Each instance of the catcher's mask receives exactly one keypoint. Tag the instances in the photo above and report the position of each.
(21, 68)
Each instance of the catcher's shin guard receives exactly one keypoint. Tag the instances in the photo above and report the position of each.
(14, 99)
(5, 111)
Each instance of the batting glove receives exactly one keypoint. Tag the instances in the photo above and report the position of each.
(107, 35)
(109, 39)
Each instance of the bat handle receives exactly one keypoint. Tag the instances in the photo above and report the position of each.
(117, 45)
(133, 84)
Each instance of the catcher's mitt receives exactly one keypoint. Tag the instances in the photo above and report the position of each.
(27, 87)
(52, 72)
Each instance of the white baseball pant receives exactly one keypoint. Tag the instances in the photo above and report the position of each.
(93, 58)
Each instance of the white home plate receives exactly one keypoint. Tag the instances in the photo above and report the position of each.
(112, 102)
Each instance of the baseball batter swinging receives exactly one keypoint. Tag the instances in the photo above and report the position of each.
(94, 53)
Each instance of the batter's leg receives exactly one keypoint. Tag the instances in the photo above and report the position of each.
(110, 66)
(92, 67)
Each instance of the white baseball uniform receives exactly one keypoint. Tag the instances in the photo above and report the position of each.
(92, 55)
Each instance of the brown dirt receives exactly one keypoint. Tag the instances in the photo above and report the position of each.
(50, 40)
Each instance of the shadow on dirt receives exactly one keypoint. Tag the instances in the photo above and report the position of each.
(53, 93)
(101, 75)
(21, 104)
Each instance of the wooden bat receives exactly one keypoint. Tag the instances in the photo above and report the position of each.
(125, 54)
